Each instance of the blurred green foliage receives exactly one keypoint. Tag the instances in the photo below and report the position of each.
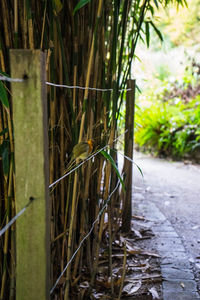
(181, 26)
(168, 123)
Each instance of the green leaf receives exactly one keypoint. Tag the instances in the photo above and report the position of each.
(80, 4)
(3, 95)
(107, 156)
(140, 170)
(157, 31)
(147, 34)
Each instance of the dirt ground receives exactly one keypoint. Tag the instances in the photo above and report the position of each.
(175, 188)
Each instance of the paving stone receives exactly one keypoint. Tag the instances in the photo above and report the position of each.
(170, 240)
(180, 285)
(155, 216)
(173, 254)
(172, 273)
(175, 266)
(167, 295)
(169, 244)
(166, 223)
(167, 234)
(162, 228)
(177, 263)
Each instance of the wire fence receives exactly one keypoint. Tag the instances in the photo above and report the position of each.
(10, 223)
(5, 78)
(7, 226)
(87, 235)
(83, 162)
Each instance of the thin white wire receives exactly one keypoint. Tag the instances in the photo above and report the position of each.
(74, 169)
(83, 88)
(4, 78)
(87, 235)
(90, 157)
(3, 230)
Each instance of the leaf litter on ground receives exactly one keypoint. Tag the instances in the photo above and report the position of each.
(142, 272)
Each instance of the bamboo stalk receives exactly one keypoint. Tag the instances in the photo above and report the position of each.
(123, 273)
(5, 245)
(43, 25)
(16, 20)
(70, 236)
(5, 18)
(100, 4)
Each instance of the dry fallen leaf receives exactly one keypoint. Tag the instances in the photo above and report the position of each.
(182, 285)
(131, 288)
(96, 295)
(84, 285)
(154, 293)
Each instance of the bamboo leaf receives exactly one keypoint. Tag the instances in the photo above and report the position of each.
(80, 4)
(156, 3)
(108, 157)
(147, 34)
(3, 95)
(140, 170)
(157, 31)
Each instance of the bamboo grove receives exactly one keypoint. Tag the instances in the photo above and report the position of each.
(87, 43)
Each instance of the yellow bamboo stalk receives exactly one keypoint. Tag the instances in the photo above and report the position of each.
(15, 16)
(75, 74)
(30, 34)
(25, 29)
(96, 257)
(82, 234)
(43, 25)
(2, 60)
(74, 198)
(90, 62)
(6, 239)
(123, 273)
(70, 236)
(5, 19)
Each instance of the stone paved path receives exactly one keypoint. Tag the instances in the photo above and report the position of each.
(176, 270)
(179, 281)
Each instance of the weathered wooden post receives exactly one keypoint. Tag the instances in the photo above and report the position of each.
(128, 167)
(32, 169)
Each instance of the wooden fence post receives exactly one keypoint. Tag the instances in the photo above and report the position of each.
(128, 167)
(32, 169)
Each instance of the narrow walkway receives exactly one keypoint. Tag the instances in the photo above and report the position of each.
(156, 192)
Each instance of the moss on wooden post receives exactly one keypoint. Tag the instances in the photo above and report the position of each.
(32, 169)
